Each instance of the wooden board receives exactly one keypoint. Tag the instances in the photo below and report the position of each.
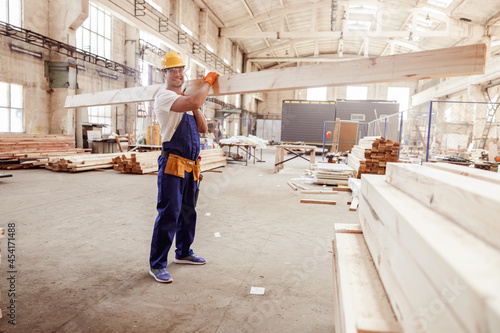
(350, 228)
(408, 275)
(361, 302)
(463, 269)
(471, 203)
(454, 61)
(466, 171)
(317, 201)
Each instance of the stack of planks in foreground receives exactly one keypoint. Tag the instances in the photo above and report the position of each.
(18, 148)
(361, 304)
(434, 237)
(372, 154)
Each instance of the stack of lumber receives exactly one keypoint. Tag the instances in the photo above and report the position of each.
(361, 304)
(372, 154)
(332, 173)
(212, 159)
(17, 148)
(78, 163)
(434, 235)
(140, 163)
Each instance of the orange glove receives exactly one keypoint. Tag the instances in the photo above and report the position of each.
(210, 78)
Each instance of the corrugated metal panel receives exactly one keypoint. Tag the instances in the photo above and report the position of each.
(304, 120)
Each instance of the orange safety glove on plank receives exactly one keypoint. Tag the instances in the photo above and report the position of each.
(210, 78)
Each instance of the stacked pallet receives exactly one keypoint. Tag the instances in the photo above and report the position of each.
(139, 163)
(372, 154)
(79, 163)
(212, 159)
(18, 148)
(436, 239)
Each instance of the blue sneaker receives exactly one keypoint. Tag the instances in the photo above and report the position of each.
(193, 259)
(161, 275)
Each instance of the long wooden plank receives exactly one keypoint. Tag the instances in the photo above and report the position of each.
(471, 203)
(466, 171)
(325, 202)
(462, 267)
(362, 304)
(455, 61)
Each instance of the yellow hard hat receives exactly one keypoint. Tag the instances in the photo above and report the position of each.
(171, 60)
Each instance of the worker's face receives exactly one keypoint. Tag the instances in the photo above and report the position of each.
(175, 76)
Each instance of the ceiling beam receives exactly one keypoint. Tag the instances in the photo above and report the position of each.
(212, 13)
(347, 34)
(301, 59)
(277, 13)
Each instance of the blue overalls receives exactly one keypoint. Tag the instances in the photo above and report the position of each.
(176, 197)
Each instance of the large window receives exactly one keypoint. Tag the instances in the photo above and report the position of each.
(316, 94)
(401, 95)
(11, 107)
(94, 35)
(10, 12)
(357, 93)
(101, 115)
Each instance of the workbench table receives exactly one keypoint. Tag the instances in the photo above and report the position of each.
(280, 155)
(245, 147)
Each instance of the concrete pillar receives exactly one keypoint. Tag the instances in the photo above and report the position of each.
(203, 26)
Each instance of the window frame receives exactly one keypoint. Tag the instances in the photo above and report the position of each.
(12, 107)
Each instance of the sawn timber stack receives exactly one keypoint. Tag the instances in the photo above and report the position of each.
(372, 154)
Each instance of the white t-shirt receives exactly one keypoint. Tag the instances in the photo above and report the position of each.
(168, 120)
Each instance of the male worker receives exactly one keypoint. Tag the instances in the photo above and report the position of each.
(180, 121)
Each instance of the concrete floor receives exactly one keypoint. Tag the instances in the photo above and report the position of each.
(82, 245)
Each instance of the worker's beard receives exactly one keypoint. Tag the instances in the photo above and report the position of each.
(177, 84)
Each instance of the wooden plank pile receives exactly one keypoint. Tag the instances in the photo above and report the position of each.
(361, 304)
(139, 163)
(333, 173)
(212, 159)
(435, 240)
(17, 148)
(372, 154)
(79, 163)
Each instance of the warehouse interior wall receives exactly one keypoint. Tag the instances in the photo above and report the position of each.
(43, 105)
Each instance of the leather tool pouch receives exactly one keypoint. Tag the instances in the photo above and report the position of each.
(178, 165)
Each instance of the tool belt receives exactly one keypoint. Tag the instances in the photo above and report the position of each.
(177, 165)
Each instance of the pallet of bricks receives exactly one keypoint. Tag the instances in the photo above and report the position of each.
(372, 154)
(428, 245)
(30, 150)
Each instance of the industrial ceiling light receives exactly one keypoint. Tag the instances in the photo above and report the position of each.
(427, 18)
(278, 38)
